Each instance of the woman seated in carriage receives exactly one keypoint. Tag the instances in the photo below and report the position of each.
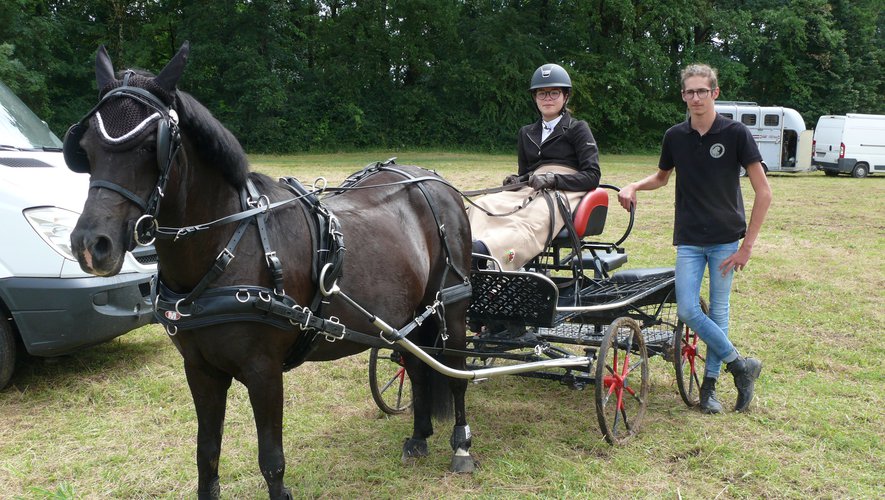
(558, 162)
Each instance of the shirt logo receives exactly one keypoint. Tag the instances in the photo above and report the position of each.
(717, 150)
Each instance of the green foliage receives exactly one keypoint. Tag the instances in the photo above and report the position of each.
(299, 75)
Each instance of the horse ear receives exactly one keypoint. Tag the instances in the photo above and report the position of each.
(104, 69)
(168, 78)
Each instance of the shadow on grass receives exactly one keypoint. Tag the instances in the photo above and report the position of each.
(113, 358)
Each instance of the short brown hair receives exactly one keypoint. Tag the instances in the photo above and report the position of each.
(700, 70)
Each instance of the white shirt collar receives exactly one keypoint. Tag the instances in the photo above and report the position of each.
(547, 127)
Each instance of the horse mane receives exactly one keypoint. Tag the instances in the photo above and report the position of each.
(214, 143)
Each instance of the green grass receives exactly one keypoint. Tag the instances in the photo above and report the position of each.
(117, 421)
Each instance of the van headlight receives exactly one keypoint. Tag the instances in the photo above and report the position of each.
(54, 225)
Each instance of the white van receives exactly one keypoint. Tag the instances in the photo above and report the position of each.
(851, 144)
(780, 134)
(48, 305)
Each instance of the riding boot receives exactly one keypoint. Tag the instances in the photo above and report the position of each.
(745, 372)
(709, 403)
(479, 248)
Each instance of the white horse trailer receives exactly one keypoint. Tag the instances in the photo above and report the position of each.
(780, 134)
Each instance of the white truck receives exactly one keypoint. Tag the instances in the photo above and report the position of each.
(850, 144)
(780, 133)
(48, 305)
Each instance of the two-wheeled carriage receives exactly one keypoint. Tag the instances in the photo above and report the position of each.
(570, 316)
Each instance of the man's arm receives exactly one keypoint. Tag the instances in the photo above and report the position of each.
(738, 260)
(627, 195)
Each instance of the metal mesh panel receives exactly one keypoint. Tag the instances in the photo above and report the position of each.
(519, 296)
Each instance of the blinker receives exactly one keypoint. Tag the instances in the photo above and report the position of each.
(74, 155)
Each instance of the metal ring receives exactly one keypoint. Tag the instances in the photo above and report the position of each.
(243, 300)
(295, 307)
(262, 295)
(183, 315)
(326, 292)
(304, 326)
(171, 330)
(137, 237)
(320, 183)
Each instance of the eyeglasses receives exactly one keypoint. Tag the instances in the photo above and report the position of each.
(545, 94)
(701, 93)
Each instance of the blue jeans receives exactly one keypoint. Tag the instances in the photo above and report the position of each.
(691, 262)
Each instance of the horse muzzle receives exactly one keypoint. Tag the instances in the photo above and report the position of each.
(98, 253)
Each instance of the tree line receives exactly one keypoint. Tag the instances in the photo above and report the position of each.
(302, 75)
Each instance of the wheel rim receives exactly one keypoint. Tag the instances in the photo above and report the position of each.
(689, 360)
(389, 383)
(622, 381)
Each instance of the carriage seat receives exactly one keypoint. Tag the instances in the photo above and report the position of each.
(632, 275)
(588, 217)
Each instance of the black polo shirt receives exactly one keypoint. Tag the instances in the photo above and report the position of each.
(709, 204)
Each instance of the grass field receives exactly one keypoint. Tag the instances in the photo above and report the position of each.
(117, 421)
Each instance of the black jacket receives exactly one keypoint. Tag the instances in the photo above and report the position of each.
(571, 144)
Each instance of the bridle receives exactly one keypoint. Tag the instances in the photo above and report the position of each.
(144, 229)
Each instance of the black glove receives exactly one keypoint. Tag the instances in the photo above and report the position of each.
(543, 181)
(511, 179)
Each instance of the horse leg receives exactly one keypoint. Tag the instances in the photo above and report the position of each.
(422, 428)
(265, 385)
(209, 392)
(461, 437)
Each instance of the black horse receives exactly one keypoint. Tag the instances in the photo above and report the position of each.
(249, 267)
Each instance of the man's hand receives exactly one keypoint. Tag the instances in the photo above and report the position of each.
(627, 197)
(511, 179)
(543, 181)
(736, 261)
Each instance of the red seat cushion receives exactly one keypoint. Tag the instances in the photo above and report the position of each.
(589, 217)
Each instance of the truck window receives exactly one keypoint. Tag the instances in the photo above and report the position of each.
(748, 119)
(728, 115)
(771, 120)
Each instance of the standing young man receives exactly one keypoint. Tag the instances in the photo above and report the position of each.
(707, 151)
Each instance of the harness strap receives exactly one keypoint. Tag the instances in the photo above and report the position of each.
(218, 267)
(273, 262)
(304, 318)
(125, 193)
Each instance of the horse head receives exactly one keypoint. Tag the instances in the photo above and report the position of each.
(127, 143)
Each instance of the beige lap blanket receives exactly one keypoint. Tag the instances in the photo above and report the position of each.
(517, 238)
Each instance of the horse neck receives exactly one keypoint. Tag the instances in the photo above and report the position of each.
(196, 194)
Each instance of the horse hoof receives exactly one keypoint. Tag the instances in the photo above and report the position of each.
(414, 449)
(463, 464)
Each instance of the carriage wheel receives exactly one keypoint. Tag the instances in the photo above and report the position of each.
(689, 359)
(622, 380)
(389, 382)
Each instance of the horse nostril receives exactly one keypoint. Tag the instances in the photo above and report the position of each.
(101, 247)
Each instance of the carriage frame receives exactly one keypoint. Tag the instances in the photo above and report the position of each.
(568, 298)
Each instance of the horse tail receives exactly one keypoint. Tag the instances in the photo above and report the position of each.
(441, 406)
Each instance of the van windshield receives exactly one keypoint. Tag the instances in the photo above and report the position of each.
(20, 128)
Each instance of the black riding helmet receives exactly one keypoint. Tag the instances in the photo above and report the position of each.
(552, 75)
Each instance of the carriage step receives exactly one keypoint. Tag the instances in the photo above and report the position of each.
(603, 262)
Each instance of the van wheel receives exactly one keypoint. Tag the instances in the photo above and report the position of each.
(860, 170)
(7, 352)
(831, 173)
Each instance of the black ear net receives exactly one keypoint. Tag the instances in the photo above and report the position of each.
(75, 156)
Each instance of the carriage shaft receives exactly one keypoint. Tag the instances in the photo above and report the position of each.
(570, 362)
